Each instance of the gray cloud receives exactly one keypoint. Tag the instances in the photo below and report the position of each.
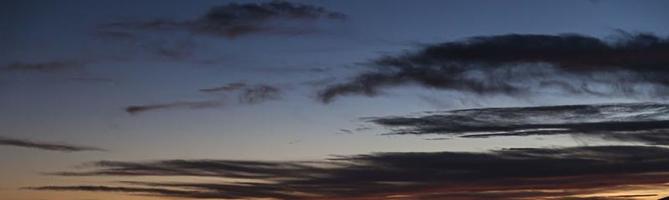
(640, 122)
(233, 20)
(226, 88)
(173, 105)
(525, 173)
(50, 67)
(4, 141)
(259, 93)
(246, 93)
(522, 64)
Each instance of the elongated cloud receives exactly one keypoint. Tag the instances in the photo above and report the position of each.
(234, 20)
(173, 105)
(640, 122)
(524, 64)
(247, 94)
(51, 66)
(226, 88)
(527, 173)
(4, 141)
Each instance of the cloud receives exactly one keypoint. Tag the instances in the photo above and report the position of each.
(180, 104)
(4, 141)
(49, 67)
(522, 173)
(233, 20)
(633, 122)
(259, 93)
(522, 64)
(247, 94)
(112, 189)
(226, 88)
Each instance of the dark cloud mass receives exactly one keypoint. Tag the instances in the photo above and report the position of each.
(234, 20)
(4, 141)
(516, 64)
(523, 173)
(639, 122)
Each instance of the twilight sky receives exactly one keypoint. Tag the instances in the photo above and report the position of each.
(353, 100)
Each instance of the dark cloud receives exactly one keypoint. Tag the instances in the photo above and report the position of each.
(51, 66)
(259, 93)
(226, 88)
(523, 173)
(517, 64)
(180, 104)
(113, 189)
(247, 94)
(234, 20)
(4, 141)
(640, 122)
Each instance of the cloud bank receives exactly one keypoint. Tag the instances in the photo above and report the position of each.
(4, 141)
(633, 65)
(635, 122)
(525, 173)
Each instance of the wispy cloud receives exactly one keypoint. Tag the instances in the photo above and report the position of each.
(522, 64)
(50, 67)
(246, 94)
(233, 20)
(226, 88)
(526, 173)
(4, 141)
(641, 122)
(174, 105)
(259, 93)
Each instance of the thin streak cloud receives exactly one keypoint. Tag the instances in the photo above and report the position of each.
(135, 109)
(246, 95)
(4, 141)
(635, 122)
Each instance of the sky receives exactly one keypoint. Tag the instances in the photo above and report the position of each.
(352, 100)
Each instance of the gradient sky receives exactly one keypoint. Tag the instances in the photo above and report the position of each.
(64, 82)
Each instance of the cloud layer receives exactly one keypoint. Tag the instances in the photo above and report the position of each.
(4, 141)
(524, 64)
(527, 173)
(640, 122)
(233, 20)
